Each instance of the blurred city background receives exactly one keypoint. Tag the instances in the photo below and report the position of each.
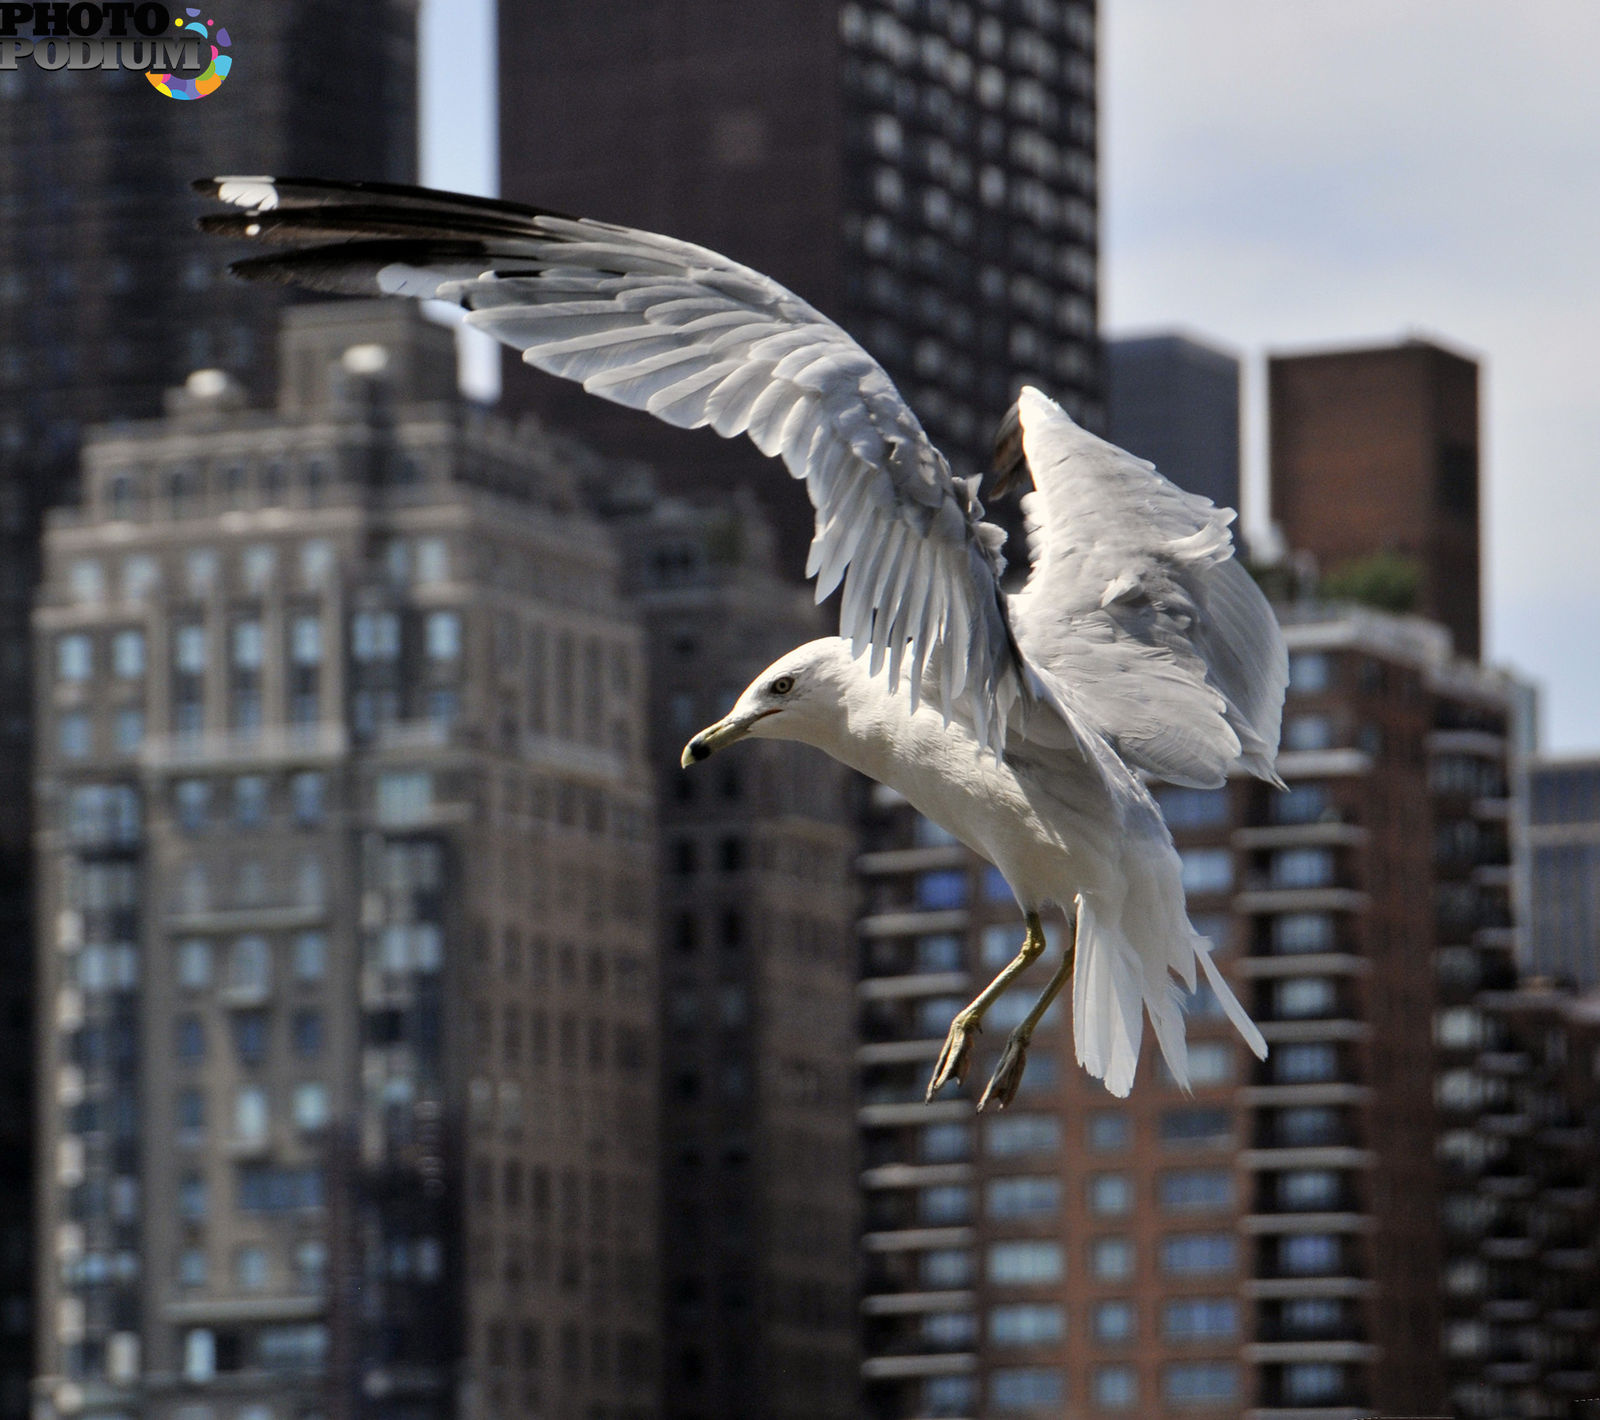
(390, 1028)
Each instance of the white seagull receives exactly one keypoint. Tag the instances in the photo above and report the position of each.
(1023, 724)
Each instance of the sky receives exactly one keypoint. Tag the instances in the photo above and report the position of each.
(1283, 176)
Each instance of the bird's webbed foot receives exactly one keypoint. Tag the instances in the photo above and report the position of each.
(1002, 1086)
(956, 1056)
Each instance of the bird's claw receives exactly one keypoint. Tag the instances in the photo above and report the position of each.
(1002, 1086)
(955, 1057)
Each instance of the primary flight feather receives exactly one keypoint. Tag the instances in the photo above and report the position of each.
(1023, 724)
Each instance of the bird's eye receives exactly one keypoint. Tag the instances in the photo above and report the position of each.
(783, 685)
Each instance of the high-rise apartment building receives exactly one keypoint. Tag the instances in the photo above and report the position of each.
(1271, 1245)
(1175, 401)
(924, 174)
(346, 1063)
(1559, 862)
(1376, 451)
(757, 910)
(109, 297)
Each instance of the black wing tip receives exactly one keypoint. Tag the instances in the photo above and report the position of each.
(333, 190)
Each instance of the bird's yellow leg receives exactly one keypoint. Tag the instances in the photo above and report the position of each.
(955, 1057)
(1002, 1087)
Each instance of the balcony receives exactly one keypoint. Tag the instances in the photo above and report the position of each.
(918, 1239)
(908, 985)
(1282, 1220)
(1267, 1353)
(896, 1368)
(1268, 898)
(911, 860)
(1305, 963)
(1318, 833)
(917, 1303)
(893, 1116)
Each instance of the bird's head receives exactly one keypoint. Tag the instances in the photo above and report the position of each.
(790, 700)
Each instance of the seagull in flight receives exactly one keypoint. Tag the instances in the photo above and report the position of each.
(1025, 724)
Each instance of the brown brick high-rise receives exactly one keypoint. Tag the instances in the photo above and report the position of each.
(1377, 450)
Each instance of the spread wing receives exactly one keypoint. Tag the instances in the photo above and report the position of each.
(1138, 613)
(695, 339)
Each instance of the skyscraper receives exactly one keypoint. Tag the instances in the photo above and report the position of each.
(1376, 451)
(925, 175)
(758, 975)
(1270, 1246)
(1175, 401)
(108, 297)
(346, 940)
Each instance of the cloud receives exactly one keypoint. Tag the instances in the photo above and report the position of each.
(1282, 176)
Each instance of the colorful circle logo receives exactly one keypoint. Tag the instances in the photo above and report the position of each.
(215, 72)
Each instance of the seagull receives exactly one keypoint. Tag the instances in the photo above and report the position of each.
(1027, 725)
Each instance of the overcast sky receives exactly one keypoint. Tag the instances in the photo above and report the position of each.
(1280, 175)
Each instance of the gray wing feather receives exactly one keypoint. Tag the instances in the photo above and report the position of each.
(1139, 612)
(696, 340)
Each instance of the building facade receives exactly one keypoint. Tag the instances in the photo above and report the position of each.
(1175, 401)
(926, 175)
(346, 1071)
(1559, 862)
(1271, 1245)
(109, 296)
(757, 911)
(1377, 451)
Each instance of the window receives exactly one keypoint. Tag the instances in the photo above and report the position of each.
(949, 1395)
(305, 640)
(1197, 1254)
(1110, 1194)
(199, 1355)
(316, 563)
(250, 966)
(1024, 1263)
(1196, 1127)
(939, 953)
(250, 1036)
(1302, 803)
(1304, 1254)
(1109, 1130)
(74, 657)
(1115, 1322)
(192, 1198)
(1116, 1387)
(1300, 997)
(264, 1188)
(1305, 1062)
(305, 1034)
(250, 800)
(1308, 732)
(190, 1114)
(941, 890)
(1111, 1259)
(305, 793)
(945, 1204)
(1196, 1190)
(1297, 932)
(128, 729)
(248, 644)
(949, 1331)
(1207, 870)
(250, 1121)
(1023, 1197)
(1193, 808)
(432, 560)
(1308, 1190)
(190, 1042)
(1307, 1126)
(193, 803)
(1014, 1388)
(1309, 672)
(1201, 1383)
(404, 797)
(311, 1265)
(127, 654)
(442, 635)
(74, 735)
(192, 1267)
(1018, 1134)
(189, 650)
(1027, 1324)
(946, 1267)
(310, 1106)
(375, 636)
(250, 1269)
(1201, 1319)
(1210, 1063)
(194, 964)
(1302, 868)
(1312, 1383)
(140, 577)
(943, 1143)
(310, 956)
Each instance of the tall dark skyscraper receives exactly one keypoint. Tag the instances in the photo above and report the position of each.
(108, 296)
(1175, 401)
(924, 174)
(1377, 451)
